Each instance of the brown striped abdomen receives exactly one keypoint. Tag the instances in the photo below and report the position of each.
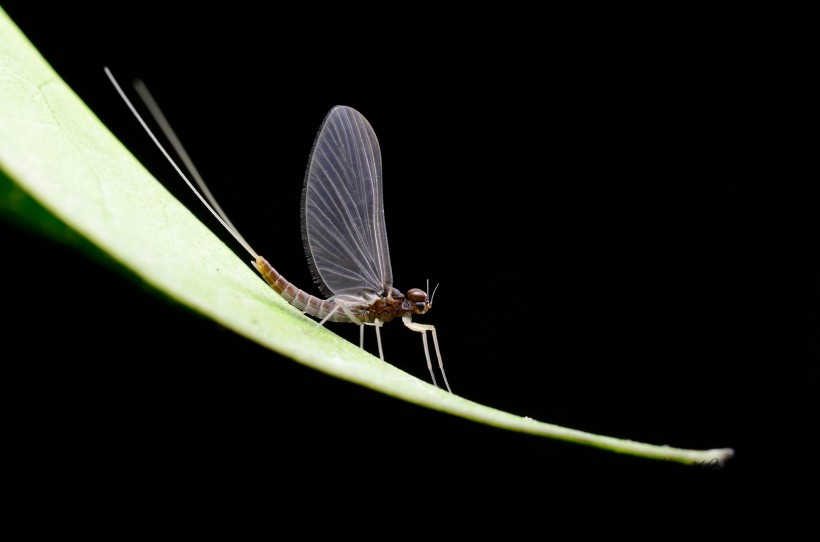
(300, 299)
(382, 308)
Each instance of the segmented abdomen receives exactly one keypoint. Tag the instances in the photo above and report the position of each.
(300, 299)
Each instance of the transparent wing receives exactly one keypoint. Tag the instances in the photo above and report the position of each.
(342, 209)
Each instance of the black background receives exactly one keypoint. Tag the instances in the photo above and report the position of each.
(618, 211)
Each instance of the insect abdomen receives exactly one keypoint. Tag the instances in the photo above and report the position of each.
(300, 299)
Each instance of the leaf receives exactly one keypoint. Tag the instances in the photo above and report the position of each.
(65, 175)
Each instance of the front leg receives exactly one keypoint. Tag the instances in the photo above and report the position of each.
(423, 329)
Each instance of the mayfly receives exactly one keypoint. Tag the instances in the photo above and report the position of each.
(343, 227)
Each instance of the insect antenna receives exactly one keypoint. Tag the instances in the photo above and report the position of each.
(432, 295)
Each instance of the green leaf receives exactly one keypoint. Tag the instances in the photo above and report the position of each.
(64, 174)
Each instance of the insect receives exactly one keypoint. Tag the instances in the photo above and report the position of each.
(343, 227)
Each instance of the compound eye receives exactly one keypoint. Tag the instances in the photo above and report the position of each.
(417, 296)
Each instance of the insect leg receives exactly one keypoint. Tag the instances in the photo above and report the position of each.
(378, 323)
(423, 329)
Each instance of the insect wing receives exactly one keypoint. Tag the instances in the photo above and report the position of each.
(342, 213)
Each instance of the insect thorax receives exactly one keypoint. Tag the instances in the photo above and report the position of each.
(380, 306)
